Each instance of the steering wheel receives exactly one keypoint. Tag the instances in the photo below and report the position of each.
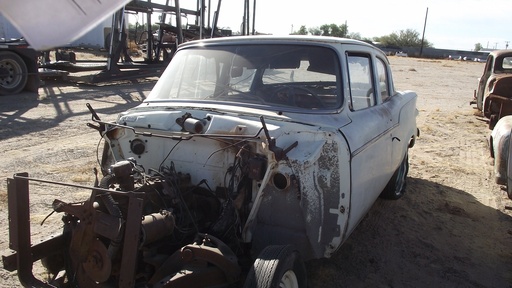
(290, 94)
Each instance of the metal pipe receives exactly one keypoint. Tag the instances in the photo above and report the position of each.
(251, 219)
(97, 189)
(254, 17)
(111, 48)
(178, 22)
(149, 48)
(209, 12)
(244, 22)
(201, 19)
(215, 18)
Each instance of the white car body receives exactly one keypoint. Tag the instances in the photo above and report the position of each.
(343, 160)
(499, 143)
(267, 148)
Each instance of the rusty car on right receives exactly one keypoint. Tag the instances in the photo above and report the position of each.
(493, 96)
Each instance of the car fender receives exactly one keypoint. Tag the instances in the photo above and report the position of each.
(307, 201)
(500, 141)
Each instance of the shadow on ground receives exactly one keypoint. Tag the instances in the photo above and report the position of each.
(65, 101)
(435, 236)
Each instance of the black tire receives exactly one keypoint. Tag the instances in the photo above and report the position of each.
(13, 73)
(277, 266)
(395, 188)
(507, 184)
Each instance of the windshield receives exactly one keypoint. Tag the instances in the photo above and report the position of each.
(293, 76)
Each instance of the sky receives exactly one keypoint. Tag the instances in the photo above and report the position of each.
(450, 24)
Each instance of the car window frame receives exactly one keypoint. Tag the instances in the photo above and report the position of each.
(387, 82)
(371, 66)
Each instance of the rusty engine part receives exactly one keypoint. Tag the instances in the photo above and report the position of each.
(154, 219)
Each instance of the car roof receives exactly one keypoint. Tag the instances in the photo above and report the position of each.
(272, 39)
(503, 52)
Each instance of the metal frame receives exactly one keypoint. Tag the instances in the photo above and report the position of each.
(26, 254)
(153, 65)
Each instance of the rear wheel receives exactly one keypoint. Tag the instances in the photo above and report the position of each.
(396, 185)
(277, 266)
(13, 73)
(509, 178)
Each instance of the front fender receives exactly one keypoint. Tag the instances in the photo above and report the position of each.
(307, 201)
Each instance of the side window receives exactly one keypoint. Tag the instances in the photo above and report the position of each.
(507, 63)
(383, 79)
(361, 84)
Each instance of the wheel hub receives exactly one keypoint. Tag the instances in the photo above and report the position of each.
(8, 75)
(289, 280)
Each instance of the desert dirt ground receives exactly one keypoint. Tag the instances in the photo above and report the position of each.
(451, 229)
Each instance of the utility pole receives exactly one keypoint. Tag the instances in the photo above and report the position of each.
(423, 36)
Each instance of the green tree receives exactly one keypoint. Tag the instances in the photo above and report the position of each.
(478, 47)
(315, 31)
(367, 40)
(404, 38)
(334, 30)
(354, 35)
(302, 31)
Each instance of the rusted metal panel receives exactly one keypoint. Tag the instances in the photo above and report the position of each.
(497, 107)
(51, 246)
